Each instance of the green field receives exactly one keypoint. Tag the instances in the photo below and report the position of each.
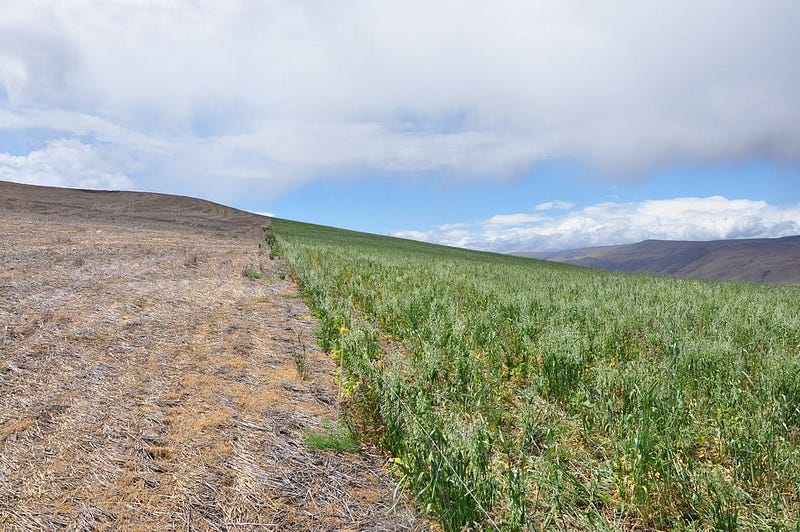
(516, 394)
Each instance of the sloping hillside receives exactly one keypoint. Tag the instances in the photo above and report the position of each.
(519, 394)
(139, 209)
(147, 384)
(770, 260)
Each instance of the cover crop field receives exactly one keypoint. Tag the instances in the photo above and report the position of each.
(516, 394)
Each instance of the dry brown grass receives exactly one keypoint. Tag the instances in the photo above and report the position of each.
(144, 387)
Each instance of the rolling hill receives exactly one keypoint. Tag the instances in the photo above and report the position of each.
(762, 260)
(149, 382)
(517, 394)
(141, 209)
(158, 372)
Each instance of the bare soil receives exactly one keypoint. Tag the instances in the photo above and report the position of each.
(146, 384)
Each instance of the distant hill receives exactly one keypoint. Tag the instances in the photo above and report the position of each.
(761, 260)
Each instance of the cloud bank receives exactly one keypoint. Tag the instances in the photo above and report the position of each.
(711, 218)
(63, 163)
(286, 92)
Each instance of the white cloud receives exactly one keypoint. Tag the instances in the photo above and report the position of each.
(285, 92)
(460, 238)
(64, 163)
(505, 220)
(423, 236)
(450, 227)
(84, 125)
(550, 205)
(708, 218)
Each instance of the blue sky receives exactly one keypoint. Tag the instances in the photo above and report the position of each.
(362, 205)
(502, 125)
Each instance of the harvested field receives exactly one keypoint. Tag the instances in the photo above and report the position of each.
(146, 384)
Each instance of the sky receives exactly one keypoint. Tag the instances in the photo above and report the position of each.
(506, 126)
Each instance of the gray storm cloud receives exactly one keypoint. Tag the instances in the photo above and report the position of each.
(294, 90)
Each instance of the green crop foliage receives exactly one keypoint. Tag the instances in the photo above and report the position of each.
(523, 395)
(331, 438)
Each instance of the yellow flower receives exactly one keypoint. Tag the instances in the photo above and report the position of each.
(399, 461)
(344, 330)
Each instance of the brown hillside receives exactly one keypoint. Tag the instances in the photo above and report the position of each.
(142, 210)
(146, 384)
(770, 260)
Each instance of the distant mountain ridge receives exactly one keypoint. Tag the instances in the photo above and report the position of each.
(758, 260)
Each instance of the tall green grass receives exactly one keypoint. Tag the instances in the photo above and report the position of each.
(518, 394)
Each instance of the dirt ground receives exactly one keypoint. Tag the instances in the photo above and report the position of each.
(146, 384)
